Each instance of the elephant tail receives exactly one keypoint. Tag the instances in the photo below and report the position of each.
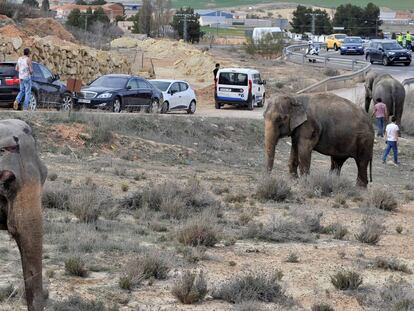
(370, 170)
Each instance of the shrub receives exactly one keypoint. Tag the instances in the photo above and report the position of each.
(273, 188)
(198, 232)
(399, 229)
(125, 282)
(322, 307)
(172, 199)
(52, 176)
(76, 267)
(6, 292)
(100, 133)
(249, 306)
(55, 198)
(323, 185)
(370, 232)
(79, 304)
(252, 286)
(398, 296)
(382, 199)
(293, 257)
(330, 72)
(338, 231)
(193, 254)
(190, 288)
(391, 264)
(124, 187)
(344, 280)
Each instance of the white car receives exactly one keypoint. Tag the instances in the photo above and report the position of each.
(178, 95)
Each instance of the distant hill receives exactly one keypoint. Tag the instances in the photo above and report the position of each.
(203, 4)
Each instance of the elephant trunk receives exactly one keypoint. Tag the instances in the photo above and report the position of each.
(368, 98)
(25, 225)
(271, 138)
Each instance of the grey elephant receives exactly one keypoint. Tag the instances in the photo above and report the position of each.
(407, 121)
(320, 122)
(390, 90)
(22, 175)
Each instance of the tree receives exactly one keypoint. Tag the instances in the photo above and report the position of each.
(145, 17)
(135, 25)
(99, 15)
(81, 2)
(74, 18)
(32, 3)
(193, 24)
(302, 21)
(45, 6)
(162, 15)
(98, 2)
(349, 16)
(371, 21)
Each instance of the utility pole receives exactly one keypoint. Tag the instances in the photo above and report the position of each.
(185, 28)
(313, 15)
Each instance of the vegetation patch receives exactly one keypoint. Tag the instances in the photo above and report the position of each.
(345, 280)
(274, 189)
(190, 287)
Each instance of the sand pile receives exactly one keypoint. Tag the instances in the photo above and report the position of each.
(43, 27)
(12, 31)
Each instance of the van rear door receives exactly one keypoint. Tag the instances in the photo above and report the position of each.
(232, 86)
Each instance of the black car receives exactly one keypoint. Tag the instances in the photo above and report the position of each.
(116, 92)
(47, 90)
(387, 52)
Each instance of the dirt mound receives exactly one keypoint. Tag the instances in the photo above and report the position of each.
(12, 31)
(43, 27)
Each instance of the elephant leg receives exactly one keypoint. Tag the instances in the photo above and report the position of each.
(294, 161)
(362, 180)
(336, 164)
(305, 148)
(367, 103)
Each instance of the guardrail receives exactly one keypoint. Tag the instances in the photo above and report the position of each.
(297, 54)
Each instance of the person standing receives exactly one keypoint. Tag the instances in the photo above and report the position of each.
(215, 72)
(400, 39)
(381, 115)
(25, 70)
(408, 41)
(391, 138)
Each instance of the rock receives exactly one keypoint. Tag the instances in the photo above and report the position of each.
(229, 128)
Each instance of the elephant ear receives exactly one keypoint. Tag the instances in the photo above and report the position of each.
(297, 114)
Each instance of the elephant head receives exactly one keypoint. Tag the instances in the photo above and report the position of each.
(282, 116)
(22, 175)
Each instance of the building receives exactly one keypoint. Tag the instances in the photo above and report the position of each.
(213, 13)
(112, 10)
(250, 22)
(396, 18)
(132, 9)
(126, 26)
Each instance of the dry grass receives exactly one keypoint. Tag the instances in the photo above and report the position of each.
(273, 189)
(6, 292)
(382, 199)
(345, 280)
(370, 232)
(391, 264)
(79, 304)
(150, 264)
(190, 287)
(322, 307)
(198, 232)
(252, 286)
(324, 185)
(398, 296)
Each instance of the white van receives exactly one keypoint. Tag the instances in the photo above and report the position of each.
(240, 87)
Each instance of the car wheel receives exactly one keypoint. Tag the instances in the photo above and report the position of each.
(218, 105)
(335, 47)
(250, 105)
(407, 64)
(165, 107)
(33, 102)
(385, 61)
(117, 105)
(262, 102)
(67, 102)
(192, 108)
(368, 58)
(152, 105)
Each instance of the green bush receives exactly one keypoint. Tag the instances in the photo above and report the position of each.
(76, 267)
(190, 288)
(345, 280)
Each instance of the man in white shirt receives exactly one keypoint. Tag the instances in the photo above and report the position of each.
(25, 70)
(391, 137)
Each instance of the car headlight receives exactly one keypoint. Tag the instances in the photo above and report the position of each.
(359, 47)
(105, 95)
(391, 53)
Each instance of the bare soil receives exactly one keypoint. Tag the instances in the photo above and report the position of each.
(226, 157)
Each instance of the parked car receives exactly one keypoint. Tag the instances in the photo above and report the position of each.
(177, 94)
(47, 90)
(387, 52)
(240, 87)
(352, 45)
(117, 92)
(334, 41)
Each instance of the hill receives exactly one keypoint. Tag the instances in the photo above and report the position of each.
(198, 4)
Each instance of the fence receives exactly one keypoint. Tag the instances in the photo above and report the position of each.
(297, 54)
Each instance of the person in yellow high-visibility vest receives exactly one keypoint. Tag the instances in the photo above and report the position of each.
(400, 39)
(408, 41)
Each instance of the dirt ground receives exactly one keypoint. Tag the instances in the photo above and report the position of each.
(226, 157)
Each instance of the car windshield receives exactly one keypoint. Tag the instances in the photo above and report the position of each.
(233, 78)
(353, 40)
(110, 82)
(391, 46)
(161, 85)
(340, 37)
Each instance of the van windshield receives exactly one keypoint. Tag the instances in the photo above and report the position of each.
(233, 78)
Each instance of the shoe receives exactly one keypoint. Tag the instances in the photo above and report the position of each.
(396, 164)
(383, 162)
(16, 105)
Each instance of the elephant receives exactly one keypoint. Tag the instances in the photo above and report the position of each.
(390, 90)
(22, 175)
(326, 123)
